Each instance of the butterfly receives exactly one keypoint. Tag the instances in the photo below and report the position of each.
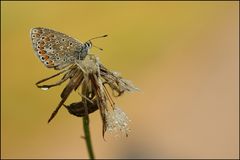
(58, 50)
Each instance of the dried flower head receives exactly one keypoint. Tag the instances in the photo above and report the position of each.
(117, 121)
(89, 77)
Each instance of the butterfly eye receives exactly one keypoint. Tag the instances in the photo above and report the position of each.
(33, 36)
(43, 37)
(63, 39)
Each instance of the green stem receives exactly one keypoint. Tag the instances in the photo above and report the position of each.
(88, 136)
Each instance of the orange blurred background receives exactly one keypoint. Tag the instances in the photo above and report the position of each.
(184, 56)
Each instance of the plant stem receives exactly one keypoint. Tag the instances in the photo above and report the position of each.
(88, 136)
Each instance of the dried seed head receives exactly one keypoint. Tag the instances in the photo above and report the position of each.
(117, 121)
(91, 77)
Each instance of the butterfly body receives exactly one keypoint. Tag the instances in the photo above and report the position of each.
(57, 50)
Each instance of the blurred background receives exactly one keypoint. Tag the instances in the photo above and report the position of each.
(184, 56)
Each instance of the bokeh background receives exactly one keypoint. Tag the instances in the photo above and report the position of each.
(184, 56)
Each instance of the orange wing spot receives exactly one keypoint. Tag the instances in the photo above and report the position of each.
(41, 43)
(37, 35)
(50, 62)
(45, 57)
(41, 52)
(40, 31)
(40, 47)
(47, 39)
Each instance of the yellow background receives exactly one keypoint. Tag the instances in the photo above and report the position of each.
(183, 56)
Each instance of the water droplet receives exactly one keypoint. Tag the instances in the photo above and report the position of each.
(44, 88)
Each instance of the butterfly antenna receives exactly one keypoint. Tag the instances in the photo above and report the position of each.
(98, 37)
(98, 47)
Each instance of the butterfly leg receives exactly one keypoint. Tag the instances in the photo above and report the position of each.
(72, 84)
(55, 84)
(45, 79)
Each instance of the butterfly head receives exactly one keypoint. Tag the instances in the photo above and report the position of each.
(88, 44)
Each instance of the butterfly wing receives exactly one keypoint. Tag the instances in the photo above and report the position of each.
(54, 49)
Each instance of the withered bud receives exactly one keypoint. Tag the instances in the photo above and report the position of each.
(78, 109)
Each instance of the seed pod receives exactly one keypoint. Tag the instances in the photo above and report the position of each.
(77, 108)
